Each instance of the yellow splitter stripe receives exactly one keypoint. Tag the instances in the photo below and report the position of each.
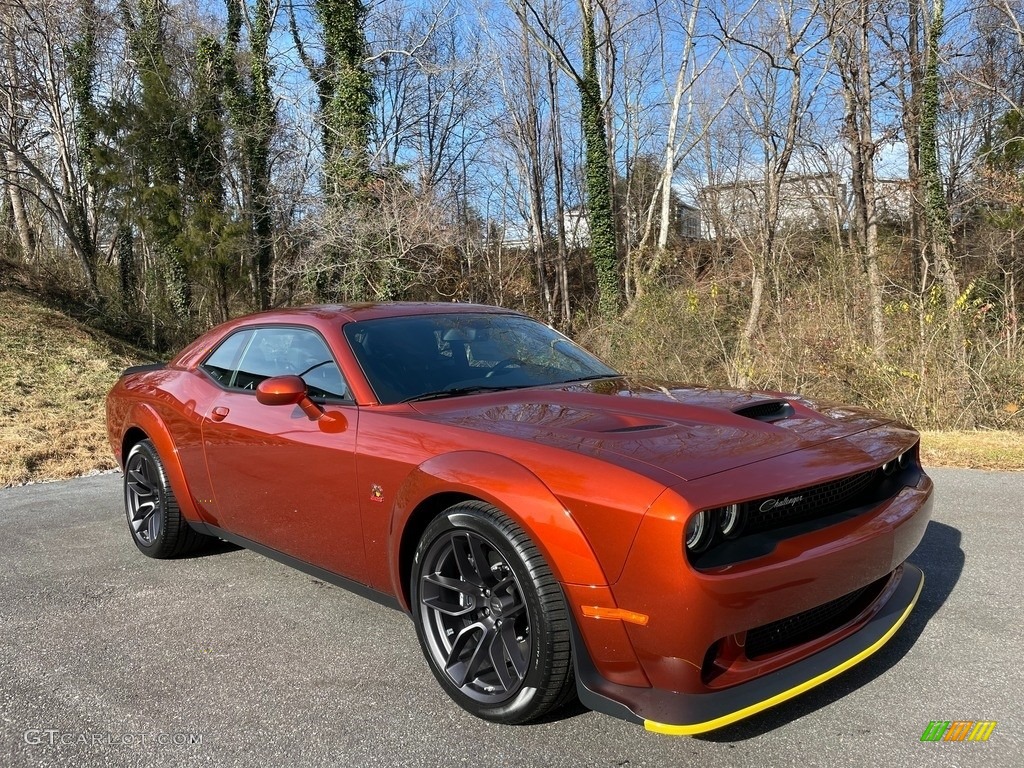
(732, 717)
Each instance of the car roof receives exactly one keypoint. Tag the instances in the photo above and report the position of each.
(319, 315)
(369, 311)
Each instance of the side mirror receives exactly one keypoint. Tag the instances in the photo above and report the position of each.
(288, 390)
(281, 390)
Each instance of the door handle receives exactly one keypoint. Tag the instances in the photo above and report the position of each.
(219, 413)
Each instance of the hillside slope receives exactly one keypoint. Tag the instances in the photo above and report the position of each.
(54, 376)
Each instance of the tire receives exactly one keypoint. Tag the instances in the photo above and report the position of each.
(154, 519)
(496, 638)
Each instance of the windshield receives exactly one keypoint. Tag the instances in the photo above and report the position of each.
(423, 356)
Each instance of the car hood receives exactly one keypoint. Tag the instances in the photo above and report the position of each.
(690, 432)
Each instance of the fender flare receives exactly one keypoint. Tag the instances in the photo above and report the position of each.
(510, 487)
(144, 417)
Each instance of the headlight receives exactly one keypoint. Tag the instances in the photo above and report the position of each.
(900, 462)
(699, 531)
(730, 520)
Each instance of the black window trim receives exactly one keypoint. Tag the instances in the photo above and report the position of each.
(265, 326)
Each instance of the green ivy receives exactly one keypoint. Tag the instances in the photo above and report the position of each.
(600, 214)
(346, 94)
(936, 208)
(254, 119)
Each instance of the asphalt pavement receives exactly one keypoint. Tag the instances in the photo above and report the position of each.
(108, 658)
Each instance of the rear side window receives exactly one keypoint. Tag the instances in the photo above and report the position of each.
(222, 363)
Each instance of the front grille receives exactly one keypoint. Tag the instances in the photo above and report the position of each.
(801, 627)
(813, 501)
(763, 522)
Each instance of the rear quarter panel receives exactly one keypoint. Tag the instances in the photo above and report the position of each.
(168, 407)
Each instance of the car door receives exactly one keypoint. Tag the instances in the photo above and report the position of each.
(278, 477)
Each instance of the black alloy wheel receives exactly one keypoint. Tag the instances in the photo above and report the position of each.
(157, 526)
(490, 616)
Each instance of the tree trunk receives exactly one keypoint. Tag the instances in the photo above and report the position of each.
(561, 256)
(867, 148)
(531, 140)
(912, 132)
(744, 358)
(23, 229)
(253, 115)
(937, 210)
(851, 46)
(22, 226)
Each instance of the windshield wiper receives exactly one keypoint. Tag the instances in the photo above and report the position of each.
(593, 378)
(456, 391)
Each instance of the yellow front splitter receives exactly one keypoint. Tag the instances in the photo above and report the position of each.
(817, 679)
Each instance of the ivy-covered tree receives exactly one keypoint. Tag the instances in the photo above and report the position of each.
(250, 102)
(163, 158)
(936, 207)
(156, 136)
(1002, 168)
(345, 89)
(211, 236)
(82, 71)
(600, 211)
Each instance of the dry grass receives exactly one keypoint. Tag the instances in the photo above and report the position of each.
(54, 376)
(976, 450)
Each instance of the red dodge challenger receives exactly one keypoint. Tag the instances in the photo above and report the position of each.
(678, 556)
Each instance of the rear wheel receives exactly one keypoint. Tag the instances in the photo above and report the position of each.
(154, 519)
(490, 616)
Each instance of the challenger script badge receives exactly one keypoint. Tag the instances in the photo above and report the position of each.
(787, 501)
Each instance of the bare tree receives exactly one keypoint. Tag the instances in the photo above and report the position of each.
(771, 55)
(850, 27)
(41, 127)
(685, 129)
(14, 128)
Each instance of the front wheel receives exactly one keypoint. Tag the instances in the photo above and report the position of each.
(490, 616)
(154, 519)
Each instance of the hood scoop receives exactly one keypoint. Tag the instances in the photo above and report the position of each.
(766, 410)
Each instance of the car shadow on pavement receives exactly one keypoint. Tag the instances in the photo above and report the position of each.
(215, 547)
(941, 558)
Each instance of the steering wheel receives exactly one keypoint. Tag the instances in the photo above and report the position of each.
(503, 365)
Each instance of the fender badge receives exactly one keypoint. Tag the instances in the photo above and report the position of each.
(376, 493)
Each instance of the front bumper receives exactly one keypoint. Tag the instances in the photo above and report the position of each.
(685, 714)
(687, 669)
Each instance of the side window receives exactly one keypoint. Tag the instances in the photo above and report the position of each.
(291, 351)
(222, 361)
